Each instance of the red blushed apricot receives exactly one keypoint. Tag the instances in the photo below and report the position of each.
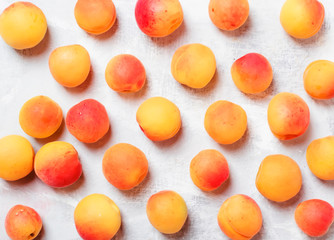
(40, 117)
(95, 16)
(314, 217)
(252, 73)
(225, 122)
(124, 166)
(88, 121)
(302, 18)
(158, 18)
(319, 79)
(97, 217)
(57, 164)
(125, 73)
(240, 217)
(228, 14)
(209, 170)
(167, 211)
(288, 116)
(22, 223)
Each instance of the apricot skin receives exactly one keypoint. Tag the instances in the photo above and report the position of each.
(193, 65)
(228, 14)
(319, 156)
(252, 73)
(95, 16)
(22, 223)
(159, 118)
(16, 157)
(40, 117)
(167, 211)
(288, 116)
(57, 164)
(124, 166)
(279, 178)
(225, 122)
(158, 18)
(88, 121)
(70, 65)
(22, 25)
(125, 73)
(97, 217)
(302, 18)
(240, 217)
(319, 79)
(314, 217)
(209, 170)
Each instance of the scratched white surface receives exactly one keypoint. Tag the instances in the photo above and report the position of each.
(24, 74)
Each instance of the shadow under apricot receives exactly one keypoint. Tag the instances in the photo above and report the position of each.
(238, 144)
(108, 34)
(136, 95)
(242, 30)
(170, 142)
(84, 86)
(140, 189)
(173, 37)
(53, 137)
(182, 233)
(220, 190)
(23, 181)
(100, 143)
(75, 186)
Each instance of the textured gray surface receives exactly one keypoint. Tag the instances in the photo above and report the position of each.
(25, 74)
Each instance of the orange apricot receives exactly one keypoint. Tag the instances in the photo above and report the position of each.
(125, 73)
(40, 117)
(288, 116)
(228, 14)
(225, 122)
(209, 170)
(124, 166)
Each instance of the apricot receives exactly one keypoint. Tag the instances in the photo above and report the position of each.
(159, 118)
(240, 217)
(225, 122)
(16, 157)
(252, 73)
(57, 164)
(158, 18)
(125, 73)
(320, 157)
(314, 217)
(302, 18)
(22, 223)
(319, 79)
(88, 121)
(167, 211)
(288, 116)
(97, 217)
(70, 65)
(279, 178)
(95, 16)
(209, 170)
(124, 166)
(22, 25)
(193, 65)
(40, 117)
(228, 14)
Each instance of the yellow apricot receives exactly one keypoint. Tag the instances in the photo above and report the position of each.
(69, 65)
(97, 217)
(159, 118)
(319, 79)
(225, 122)
(279, 178)
(319, 156)
(22, 25)
(302, 18)
(167, 211)
(16, 157)
(193, 65)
